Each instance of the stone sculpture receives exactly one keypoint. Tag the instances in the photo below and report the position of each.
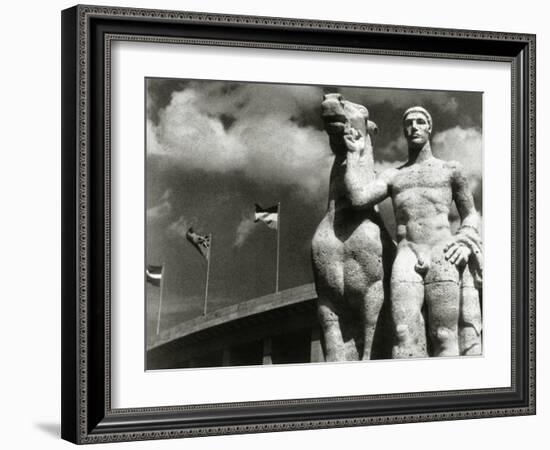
(432, 265)
(435, 277)
(351, 250)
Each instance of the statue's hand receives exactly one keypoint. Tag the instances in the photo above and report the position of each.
(354, 140)
(457, 253)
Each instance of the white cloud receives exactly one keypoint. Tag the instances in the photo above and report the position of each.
(263, 142)
(179, 227)
(159, 211)
(244, 229)
(460, 144)
(162, 209)
(166, 195)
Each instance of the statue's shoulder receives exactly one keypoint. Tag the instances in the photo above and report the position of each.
(457, 173)
(454, 167)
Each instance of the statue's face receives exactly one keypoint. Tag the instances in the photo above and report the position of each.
(417, 129)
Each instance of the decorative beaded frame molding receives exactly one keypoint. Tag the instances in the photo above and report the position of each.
(87, 34)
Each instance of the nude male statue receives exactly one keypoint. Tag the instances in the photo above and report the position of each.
(432, 265)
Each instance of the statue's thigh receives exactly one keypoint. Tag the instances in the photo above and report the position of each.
(470, 311)
(440, 269)
(406, 286)
(442, 291)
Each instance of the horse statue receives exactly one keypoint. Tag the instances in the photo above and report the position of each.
(352, 252)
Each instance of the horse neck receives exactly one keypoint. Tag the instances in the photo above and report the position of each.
(361, 164)
(351, 171)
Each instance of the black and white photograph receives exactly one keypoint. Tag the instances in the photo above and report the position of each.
(281, 220)
(291, 224)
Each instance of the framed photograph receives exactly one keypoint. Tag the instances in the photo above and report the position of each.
(278, 224)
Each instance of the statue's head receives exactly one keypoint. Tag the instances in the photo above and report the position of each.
(417, 126)
(342, 117)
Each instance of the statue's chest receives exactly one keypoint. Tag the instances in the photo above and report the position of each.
(421, 177)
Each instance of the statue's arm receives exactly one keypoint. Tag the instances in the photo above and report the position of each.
(467, 241)
(366, 195)
(463, 198)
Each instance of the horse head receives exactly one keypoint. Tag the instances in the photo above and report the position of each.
(345, 120)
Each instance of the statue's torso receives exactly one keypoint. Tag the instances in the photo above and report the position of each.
(422, 198)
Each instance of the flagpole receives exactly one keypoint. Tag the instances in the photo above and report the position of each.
(160, 299)
(278, 241)
(207, 276)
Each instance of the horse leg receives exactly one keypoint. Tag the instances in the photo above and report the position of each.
(329, 319)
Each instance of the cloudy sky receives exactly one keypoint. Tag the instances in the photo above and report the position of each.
(216, 148)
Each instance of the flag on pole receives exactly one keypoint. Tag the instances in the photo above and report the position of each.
(200, 242)
(204, 245)
(154, 275)
(269, 216)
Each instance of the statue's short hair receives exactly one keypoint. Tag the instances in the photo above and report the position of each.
(421, 110)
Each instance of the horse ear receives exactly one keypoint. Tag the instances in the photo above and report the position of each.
(372, 128)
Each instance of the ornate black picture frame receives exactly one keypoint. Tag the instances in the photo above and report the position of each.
(87, 35)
